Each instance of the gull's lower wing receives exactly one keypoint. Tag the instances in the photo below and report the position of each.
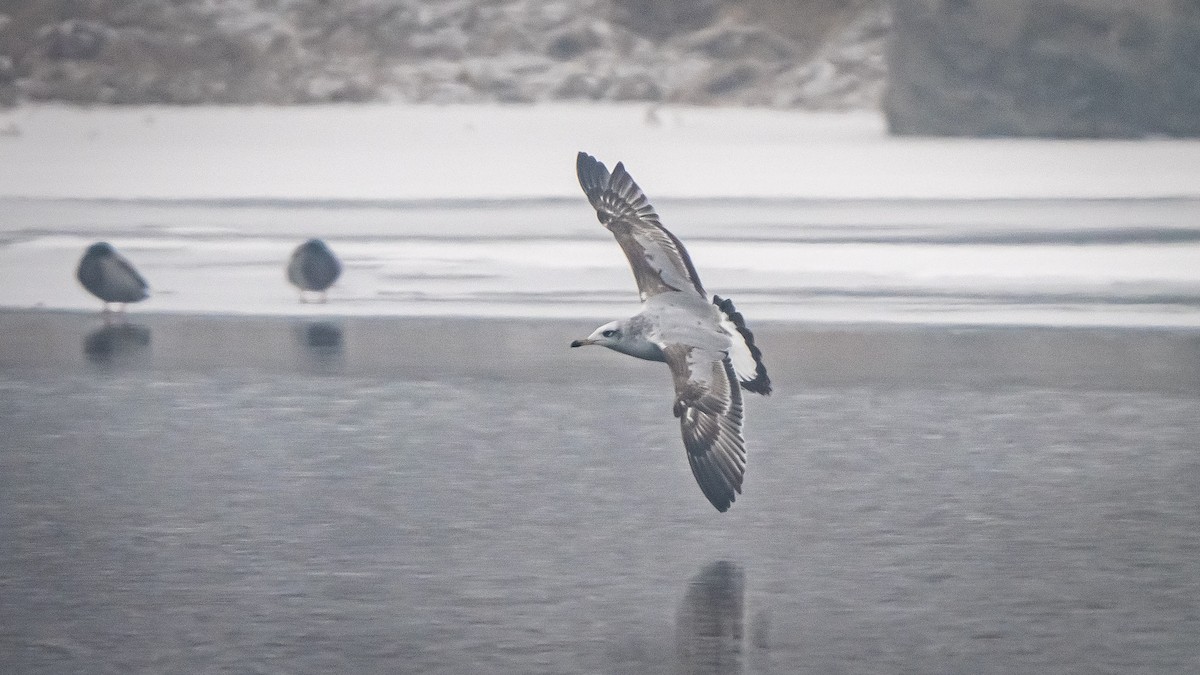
(708, 403)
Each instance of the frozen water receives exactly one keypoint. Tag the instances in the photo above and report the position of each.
(474, 210)
(1057, 262)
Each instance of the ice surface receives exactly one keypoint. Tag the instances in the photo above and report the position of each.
(474, 210)
(1056, 262)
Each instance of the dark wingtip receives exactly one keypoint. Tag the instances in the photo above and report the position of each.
(717, 496)
(719, 488)
(720, 501)
(593, 175)
(761, 384)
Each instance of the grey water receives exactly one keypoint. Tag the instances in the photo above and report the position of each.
(284, 495)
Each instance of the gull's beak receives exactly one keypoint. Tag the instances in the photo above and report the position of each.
(582, 343)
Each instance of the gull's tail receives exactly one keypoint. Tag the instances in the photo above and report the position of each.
(745, 355)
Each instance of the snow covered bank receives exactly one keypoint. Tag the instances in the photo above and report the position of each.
(394, 152)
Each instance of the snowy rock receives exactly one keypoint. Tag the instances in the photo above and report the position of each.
(635, 86)
(8, 77)
(659, 19)
(76, 40)
(732, 41)
(573, 41)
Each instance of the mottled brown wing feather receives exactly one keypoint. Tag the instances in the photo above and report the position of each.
(658, 259)
(708, 403)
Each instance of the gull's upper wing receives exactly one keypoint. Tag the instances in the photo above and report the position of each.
(657, 257)
(120, 275)
(708, 403)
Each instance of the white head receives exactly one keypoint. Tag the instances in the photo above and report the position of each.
(608, 335)
(621, 336)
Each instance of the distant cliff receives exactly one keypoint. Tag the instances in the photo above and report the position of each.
(1063, 68)
(1068, 68)
(820, 54)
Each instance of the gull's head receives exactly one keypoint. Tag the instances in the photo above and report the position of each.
(99, 249)
(607, 335)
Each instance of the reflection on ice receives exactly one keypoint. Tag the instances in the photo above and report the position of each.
(121, 344)
(709, 621)
(323, 337)
(322, 342)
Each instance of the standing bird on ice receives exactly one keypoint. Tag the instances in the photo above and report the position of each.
(107, 275)
(313, 267)
(705, 343)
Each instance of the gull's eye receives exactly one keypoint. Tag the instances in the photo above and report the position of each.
(609, 333)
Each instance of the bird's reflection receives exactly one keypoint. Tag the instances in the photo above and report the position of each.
(323, 336)
(121, 344)
(323, 342)
(709, 622)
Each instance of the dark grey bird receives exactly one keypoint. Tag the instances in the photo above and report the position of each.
(107, 275)
(705, 342)
(313, 267)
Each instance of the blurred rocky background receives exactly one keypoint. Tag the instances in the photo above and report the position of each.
(789, 53)
(1086, 68)
(971, 67)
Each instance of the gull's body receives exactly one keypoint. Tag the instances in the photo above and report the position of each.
(107, 275)
(705, 343)
(313, 267)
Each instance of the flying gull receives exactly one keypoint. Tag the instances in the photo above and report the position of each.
(313, 267)
(107, 275)
(705, 343)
